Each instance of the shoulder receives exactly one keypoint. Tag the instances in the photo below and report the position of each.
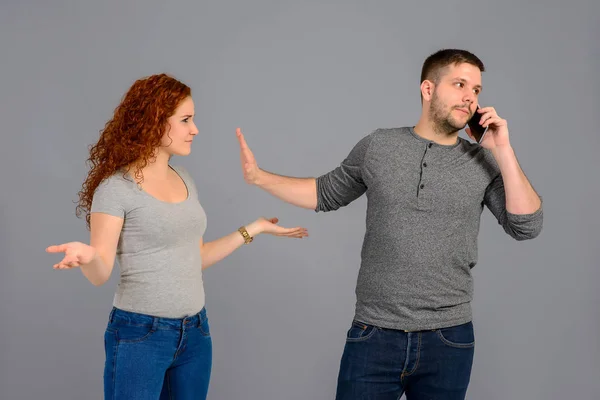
(114, 194)
(391, 139)
(391, 132)
(395, 134)
(117, 183)
(378, 135)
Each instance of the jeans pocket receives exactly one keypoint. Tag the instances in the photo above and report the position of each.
(131, 333)
(359, 331)
(204, 327)
(461, 336)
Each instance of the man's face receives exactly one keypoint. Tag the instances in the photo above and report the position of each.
(455, 97)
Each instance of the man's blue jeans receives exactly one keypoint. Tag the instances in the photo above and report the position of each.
(149, 357)
(383, 364)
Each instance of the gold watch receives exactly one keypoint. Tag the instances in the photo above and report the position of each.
(246, 235)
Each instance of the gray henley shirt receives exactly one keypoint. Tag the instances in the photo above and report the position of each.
(424, 204)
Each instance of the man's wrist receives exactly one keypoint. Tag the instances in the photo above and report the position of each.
(501, 152)
(260, 178)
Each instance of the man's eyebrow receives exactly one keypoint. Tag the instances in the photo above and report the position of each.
(463, 80)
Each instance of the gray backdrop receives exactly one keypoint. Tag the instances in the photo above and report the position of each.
(305, 81)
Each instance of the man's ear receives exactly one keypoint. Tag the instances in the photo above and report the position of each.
(427, 88)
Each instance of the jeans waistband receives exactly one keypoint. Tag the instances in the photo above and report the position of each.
(119, 315)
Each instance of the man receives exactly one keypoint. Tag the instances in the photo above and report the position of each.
(426, 189)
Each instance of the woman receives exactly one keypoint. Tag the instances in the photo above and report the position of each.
(146, 212)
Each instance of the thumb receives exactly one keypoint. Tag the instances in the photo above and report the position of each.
(61, 248)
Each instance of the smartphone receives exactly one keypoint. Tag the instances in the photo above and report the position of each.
(477, 130)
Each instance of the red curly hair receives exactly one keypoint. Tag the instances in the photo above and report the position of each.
(132, 135)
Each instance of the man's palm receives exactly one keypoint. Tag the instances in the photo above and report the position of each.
(249, 165)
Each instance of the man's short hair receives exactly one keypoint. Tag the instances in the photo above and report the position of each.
(436, 62)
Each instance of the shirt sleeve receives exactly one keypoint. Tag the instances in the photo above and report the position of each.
(518, 226)
(109, 198)
(345, 183)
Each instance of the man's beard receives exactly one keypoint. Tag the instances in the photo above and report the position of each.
(441, 117)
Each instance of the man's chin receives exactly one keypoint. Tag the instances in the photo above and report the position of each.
(458, 125)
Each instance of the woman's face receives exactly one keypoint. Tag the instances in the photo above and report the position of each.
(180, 130)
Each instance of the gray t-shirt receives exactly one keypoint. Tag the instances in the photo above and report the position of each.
(159, 247)
(424, 203)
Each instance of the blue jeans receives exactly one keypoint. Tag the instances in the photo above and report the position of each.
(384, 364)
(149, 357)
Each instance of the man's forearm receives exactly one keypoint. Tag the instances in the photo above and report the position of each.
(521, 198)
(301, 192)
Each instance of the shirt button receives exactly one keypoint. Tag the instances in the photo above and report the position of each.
(430, 145)
(422, 186)
(424, 164)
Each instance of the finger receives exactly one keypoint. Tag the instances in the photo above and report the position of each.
(291, 231)
(241, 139)
(493, 121)
(61, 248)
(485, 120)
(73, 262)
(247, 155)
(488, 110)
(240, 135)
(246, 152)
(68, 265)
(284, 232)
(70, 260)
(295, 229)
(486, 114)
(299, 235)
(483, 110)
(294, 235)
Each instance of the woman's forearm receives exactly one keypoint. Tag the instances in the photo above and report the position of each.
(217, 250)
(96, 271)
